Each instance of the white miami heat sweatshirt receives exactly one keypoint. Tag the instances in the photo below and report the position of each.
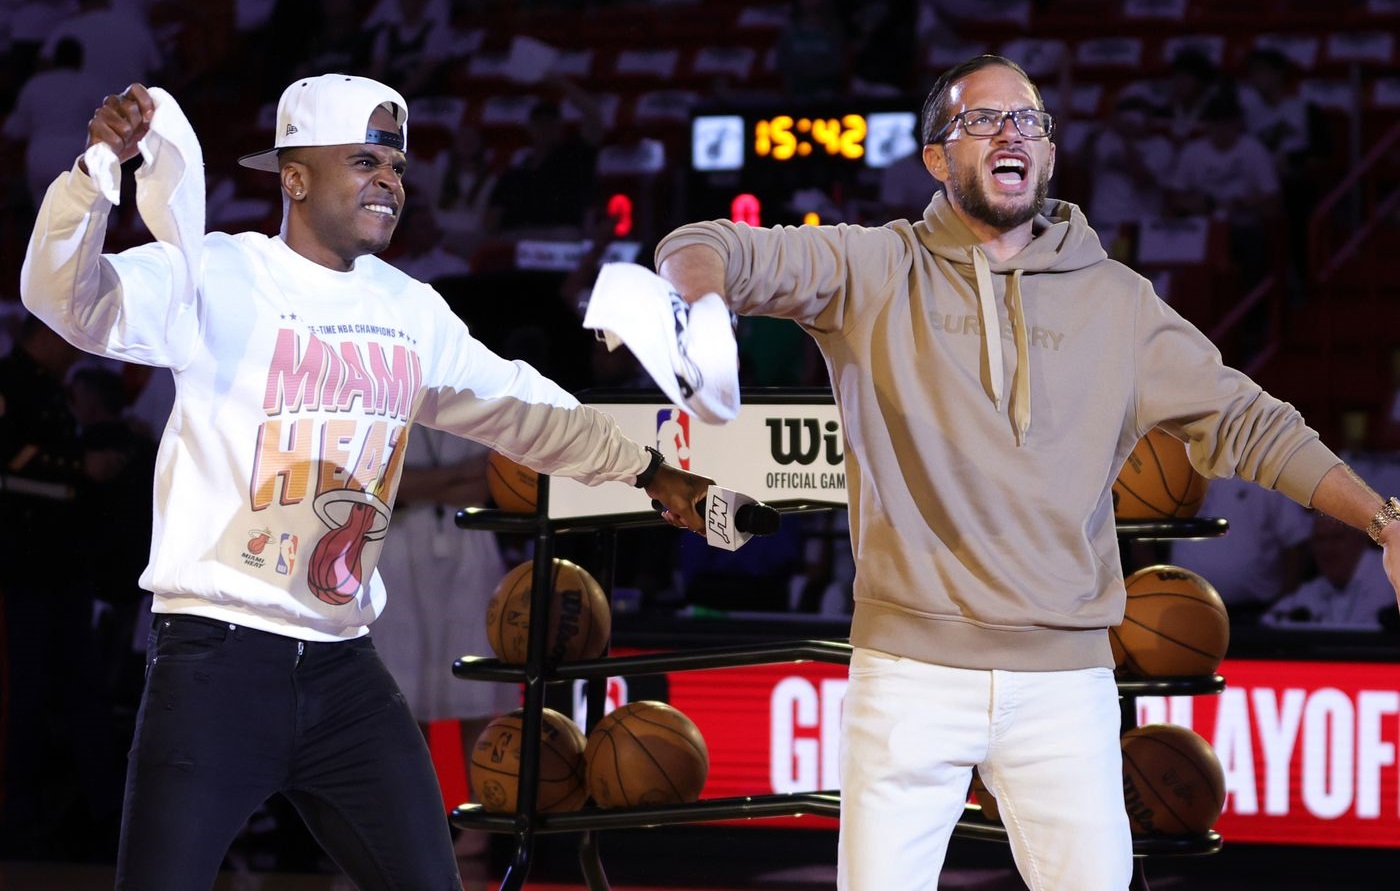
(295, 387)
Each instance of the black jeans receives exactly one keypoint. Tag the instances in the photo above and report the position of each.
(231, 716)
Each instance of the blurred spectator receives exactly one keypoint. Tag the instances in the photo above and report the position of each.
(884, 47)
(114, 507)
(759, 577)
(24, 25)
(419, 249)
(1261, 556)
(828, 574)
(553, 181)
(811, 50)
(1351, 591)
(607, 368)
(440, 578)
(119, 46)
(1295, 132)
(411, 41)
(115, 494)
(1127, 162)
(906, 186)
(457, 183)
(304, 38)
(50, 114)
(1276, 115)
(336, 38)
(1229, 175)
(1194, 81)
(62, 779)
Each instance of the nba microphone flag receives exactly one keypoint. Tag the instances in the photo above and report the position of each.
(688, 348)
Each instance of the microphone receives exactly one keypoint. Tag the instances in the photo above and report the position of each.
(732, 518)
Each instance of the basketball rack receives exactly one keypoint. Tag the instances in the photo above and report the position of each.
(527, 823)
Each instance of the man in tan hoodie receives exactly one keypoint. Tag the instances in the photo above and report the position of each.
(993, 369)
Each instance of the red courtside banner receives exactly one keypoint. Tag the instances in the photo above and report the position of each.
(1309, 749)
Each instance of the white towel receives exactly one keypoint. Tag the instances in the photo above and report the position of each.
(169, 183)
(688, 348)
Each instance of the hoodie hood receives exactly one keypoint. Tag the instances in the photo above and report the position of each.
(1061, 241)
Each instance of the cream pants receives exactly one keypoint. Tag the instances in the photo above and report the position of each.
(1046, 744)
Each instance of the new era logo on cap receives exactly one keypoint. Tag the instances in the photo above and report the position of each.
(332, 109)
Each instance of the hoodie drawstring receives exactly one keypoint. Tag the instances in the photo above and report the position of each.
(992, 374)
(1021, 380)
(991, 327)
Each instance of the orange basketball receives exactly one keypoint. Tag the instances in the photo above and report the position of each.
(580, 621)
(1172, 781)
(1157, 481)
(1174, 624)
(514, 487)
(645, 753)
(495, 763)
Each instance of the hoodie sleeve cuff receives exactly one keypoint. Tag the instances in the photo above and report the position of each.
(1304, 470)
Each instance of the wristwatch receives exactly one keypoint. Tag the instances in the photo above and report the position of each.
(645, 477)
(1389, 513)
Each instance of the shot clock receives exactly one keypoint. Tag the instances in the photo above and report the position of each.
(784, 137)
(793, 164)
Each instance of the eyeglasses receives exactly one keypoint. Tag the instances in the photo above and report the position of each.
(1032, 123)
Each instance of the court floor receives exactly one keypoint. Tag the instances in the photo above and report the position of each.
(729, 858)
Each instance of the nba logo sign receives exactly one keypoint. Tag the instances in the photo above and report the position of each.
(673, 437)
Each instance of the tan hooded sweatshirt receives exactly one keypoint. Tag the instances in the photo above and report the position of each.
(987, 408)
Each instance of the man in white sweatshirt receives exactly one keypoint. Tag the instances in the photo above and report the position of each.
(300, 362)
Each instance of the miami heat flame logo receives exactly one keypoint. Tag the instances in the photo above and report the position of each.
(334, 572)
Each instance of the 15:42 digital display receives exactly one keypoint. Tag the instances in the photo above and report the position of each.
(775, 162)
(782, 137)
(733, 139)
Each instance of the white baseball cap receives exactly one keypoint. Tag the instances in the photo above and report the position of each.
(332, 109)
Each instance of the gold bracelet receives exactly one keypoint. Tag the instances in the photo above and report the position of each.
(1389, 512)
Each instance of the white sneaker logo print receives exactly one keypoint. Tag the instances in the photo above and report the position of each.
(688, 376)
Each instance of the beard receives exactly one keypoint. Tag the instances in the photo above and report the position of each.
(965, 187)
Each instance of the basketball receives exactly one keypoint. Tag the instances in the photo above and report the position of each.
(1157, 481)
(580, 621)
(1172, 781)
(513, 487)
(645, 753)
(1174, 624)
(983, 797)
(495, 764)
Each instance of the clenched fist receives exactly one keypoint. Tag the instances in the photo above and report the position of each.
(122, 121)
